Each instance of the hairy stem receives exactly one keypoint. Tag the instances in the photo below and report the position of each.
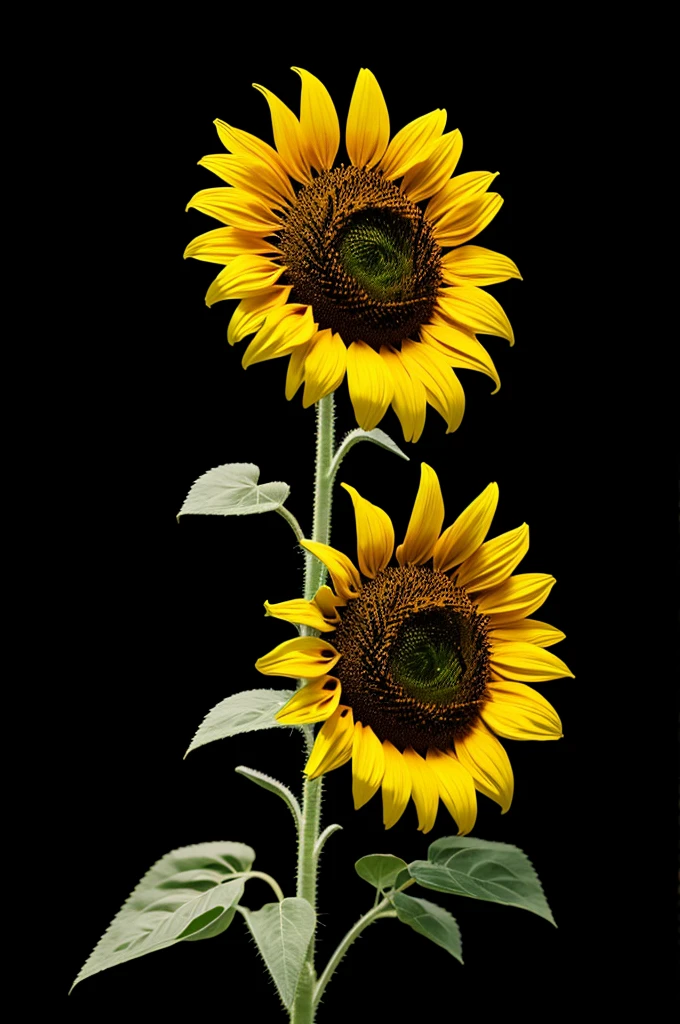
(382, 909)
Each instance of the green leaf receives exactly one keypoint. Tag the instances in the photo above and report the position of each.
(233, 490)
(273, 786)
(496, 872)
(242, 712)
(380, 869)
(378, 437)
(429, 920)
(186, 895)
(283, 932)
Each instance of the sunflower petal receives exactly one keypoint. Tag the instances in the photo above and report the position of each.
(305, 657)
(314, 702)
(516, 598)
(409, 399)
(412, 144)
(526, 663)
(519, 713)
(368, 765)
(460, 190)
(494, 561)
(473, 264)
(252, 311)
(222, 245)
(287, 136)
(346, 579)
(443, 389)
(467, 533)
(368, 123)
(425, 789)
(488, 764)
(333, 744)
(456, 789)
(370, 383)
(284, 329)
(248, 173)
(328, 603)
(462, 222)
(475, 310)
(299, 611)
(460, 349)
(396, 785)
(236, 208)
(426, 520)
(530, 631)
(375, 534)
(319, 125)
(244, 144)
(295, 374)
(429, 177)
(245, 275)
(325, 366)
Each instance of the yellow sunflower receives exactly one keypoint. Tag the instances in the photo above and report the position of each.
(361, 268)
(430, 659)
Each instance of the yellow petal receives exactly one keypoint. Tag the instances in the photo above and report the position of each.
(409, 399)
(375, 534)
(530, 631)
(368, 765)
(346, 579)
(475, 310)
(472, 264)
(429, 177)
(333, 745)
(328, 603)
(370, 383)
(314, 702)
(516, 598)
(460, 190)
(519, 713)
(245, 144)
(287, 136)
(300, 611)
(526, 663)
(443, 389)
(467, 533)
(252, 311)
(396, 785)
(247, 173)
(426, 520)
(461, 350)
(368, 123)
(324, 367)
(285, 328)
(412, 144)
(305, 657)
(456, 789)
(488, 764)
(222, 245)
(465, 220)
(425, 789)
(295, 373)
(237, 208)
(245, 275)
(494, 561)
(319, 125)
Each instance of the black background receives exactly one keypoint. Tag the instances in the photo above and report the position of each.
(170, 621)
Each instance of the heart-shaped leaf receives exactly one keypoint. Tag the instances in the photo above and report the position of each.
(380, 869)
(233, 490)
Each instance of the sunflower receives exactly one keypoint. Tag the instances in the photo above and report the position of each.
(360, 268)
(430, 659)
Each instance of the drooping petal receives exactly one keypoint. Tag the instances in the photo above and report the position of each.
(425, 789)
(396, 785)
(284, 329)
(324, 367)
(467, 533)
(319, 125)
(429, 177)
(346, 579)
(461, 350)
(368, 123)
(443, 389)
(370, 383)
(295, 374)
(473, 264)
(516, 598)
(475, 310)
(426, 520)
(517, 712)
(488, 764)
(222, 245)
(245, 275)
(333, 744)
(305, 657)
(245, 144)
(412, 144)
(368, 764)
(299, 611)
(375, 534)
(314, 702)
(494, 561)
(251, 312)
(328, 603)
(456, 789)
(237, 208)
(409, 400)
(530, 631)
(287, 136)
(249, 174)
(462, 222)
(526, 663)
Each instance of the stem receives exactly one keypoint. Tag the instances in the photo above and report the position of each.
(265, 878)
(382, 909)
(292, 522)
(323, 497)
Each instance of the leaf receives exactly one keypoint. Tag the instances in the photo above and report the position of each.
(185, 895)
(429, 920)
(378, 437)
(273, 786)
(283, 932)
(379, 869)
(496, 872)
(242, 712)
(233, 490)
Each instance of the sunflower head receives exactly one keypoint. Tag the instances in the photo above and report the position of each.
(356, 267)
(422, 665)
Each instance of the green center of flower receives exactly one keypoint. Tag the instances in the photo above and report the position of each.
(377, 252)
(426, 658)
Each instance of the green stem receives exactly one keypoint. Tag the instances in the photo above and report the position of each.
(382, 909)
(315, 571)
(245, 875)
